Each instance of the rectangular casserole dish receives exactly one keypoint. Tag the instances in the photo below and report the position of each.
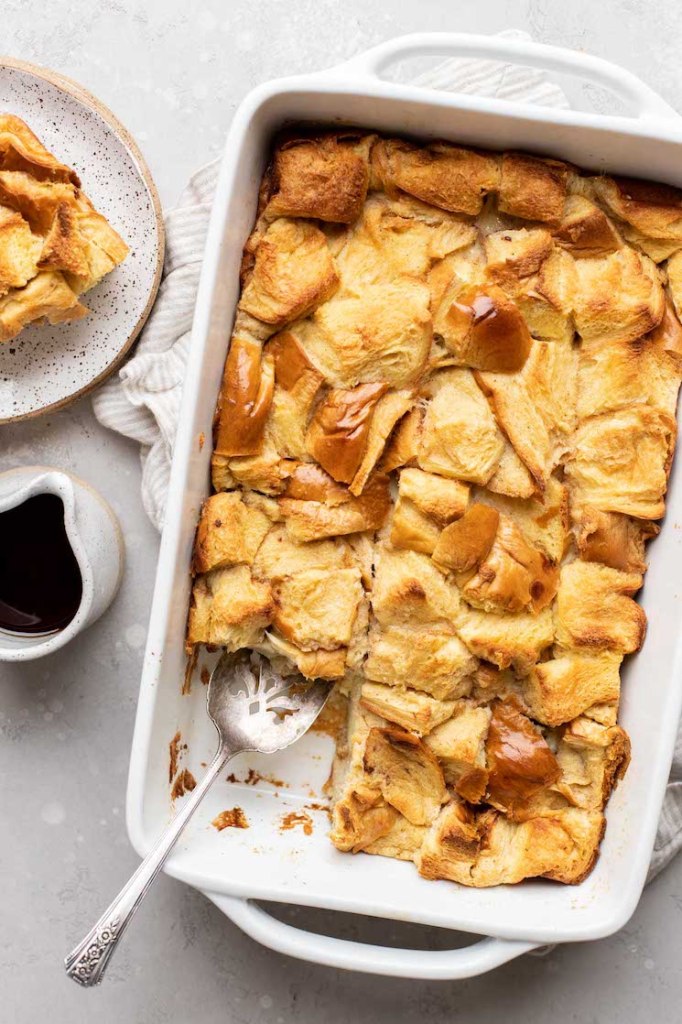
(265, 862)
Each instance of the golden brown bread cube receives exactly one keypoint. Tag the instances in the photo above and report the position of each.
(389, 410)
(506, 640)
(513, 576)
(515, 256)
(229, 609)
(409, 589)
(617, 373)
(221, 476)
(21, 150)
(612, 538)
(536, 406)
(64, 249)
(278, 556)
(297, 384)
(538, 275)
(459, 745)
(338, 432)
(585, 231)
(323, 177)
(403, 446)
(495, 566)
(569, 684)
(360, 814)
(511, 478)
(532, 188)
(37, 201)
(443, 175)
(592, 759)
(316, 608)
(464, 544)
(317, 664)
(402, 841)
(360, 818)
(620, 461)
(381, 334)
(309, 482)
(409, 709)
(293, 273)
(437, 497)
(264, 473)
(406, 772)
(89, 245)
(618, 297)
(547, 300)
(412, 529)
(395, 238)
(229, 532)
(425, 503)
(245, 398)
(451, 846)
(595, 609)
(427, 659)
(459, 436)
(543, 517)
(649, 214)
(482, 328)
(313, 519)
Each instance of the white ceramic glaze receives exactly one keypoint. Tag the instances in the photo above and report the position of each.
(263, 862)
(48, 366)
(94, 536)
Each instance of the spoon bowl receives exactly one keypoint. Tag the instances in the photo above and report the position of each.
(252, 707)
(256, 708)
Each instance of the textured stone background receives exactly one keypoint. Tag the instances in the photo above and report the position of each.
(174, 73)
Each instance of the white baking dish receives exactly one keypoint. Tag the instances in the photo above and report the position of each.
(262, 862)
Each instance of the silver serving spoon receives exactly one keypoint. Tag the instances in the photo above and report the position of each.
(253, 708)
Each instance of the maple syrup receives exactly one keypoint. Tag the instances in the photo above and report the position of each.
(40, 581)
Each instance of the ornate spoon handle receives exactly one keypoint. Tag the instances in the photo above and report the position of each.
(87, 963)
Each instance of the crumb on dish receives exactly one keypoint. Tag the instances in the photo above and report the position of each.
(233, 818)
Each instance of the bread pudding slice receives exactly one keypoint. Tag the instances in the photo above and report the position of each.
(54, 245)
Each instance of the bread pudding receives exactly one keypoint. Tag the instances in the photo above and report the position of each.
(54, 245)
(442, 441)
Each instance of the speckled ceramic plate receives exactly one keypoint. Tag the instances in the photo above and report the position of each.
(47, 367)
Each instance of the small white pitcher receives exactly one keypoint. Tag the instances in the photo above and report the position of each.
(97, 543)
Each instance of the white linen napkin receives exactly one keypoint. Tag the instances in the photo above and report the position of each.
(143, 400)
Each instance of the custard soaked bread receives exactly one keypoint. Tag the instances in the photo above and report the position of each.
(442, 442)
(54, 245)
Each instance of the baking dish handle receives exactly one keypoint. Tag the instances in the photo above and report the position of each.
(642, 99)
(449, 964)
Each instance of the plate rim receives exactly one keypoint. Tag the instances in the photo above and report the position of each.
(88, 99)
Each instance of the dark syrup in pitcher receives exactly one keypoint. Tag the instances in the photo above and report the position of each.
(40, 582)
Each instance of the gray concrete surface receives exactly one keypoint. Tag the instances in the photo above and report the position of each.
(174, 73)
